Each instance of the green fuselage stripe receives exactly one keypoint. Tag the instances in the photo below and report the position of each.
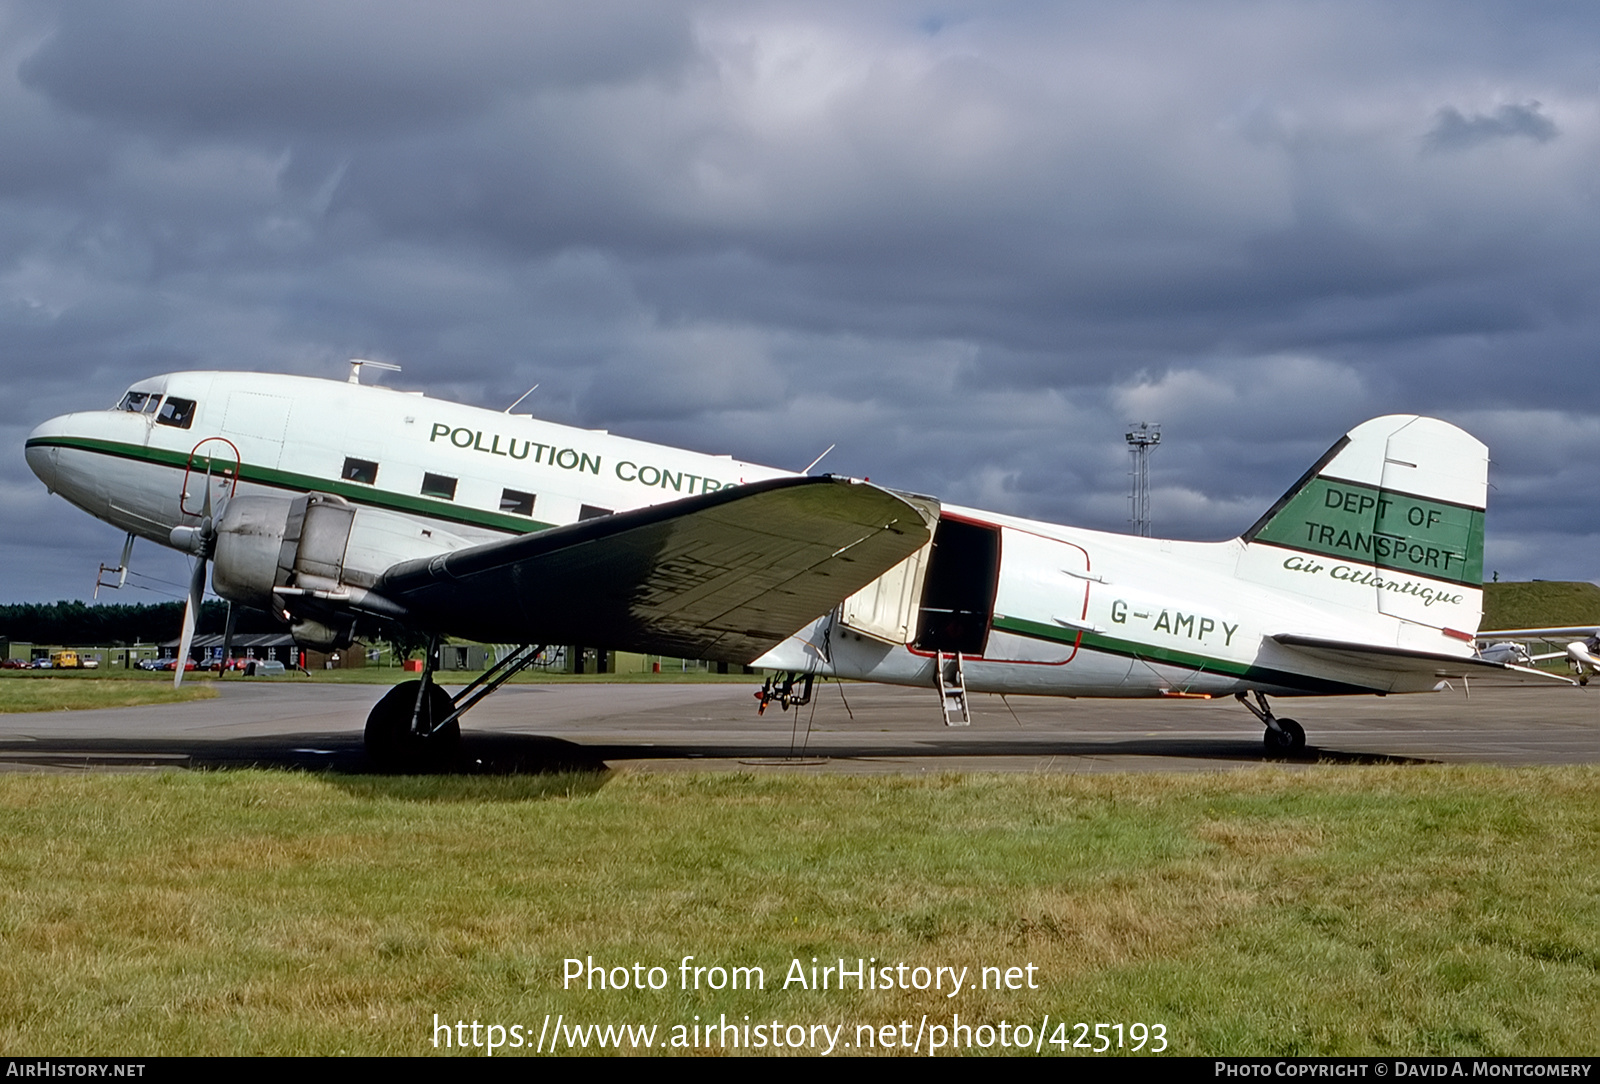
(356, 493)
(1132, 649)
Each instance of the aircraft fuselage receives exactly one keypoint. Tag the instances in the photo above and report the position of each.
(1029, 607)
(1095, 614)
(473, 474)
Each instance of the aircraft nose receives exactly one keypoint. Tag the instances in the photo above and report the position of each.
(42, 452)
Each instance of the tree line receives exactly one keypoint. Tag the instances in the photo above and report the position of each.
(80, 623)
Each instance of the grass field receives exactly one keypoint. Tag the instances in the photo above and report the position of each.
(66, 690)
(1540, 604)
(1323, 911)
(25, 690)
(382, 675)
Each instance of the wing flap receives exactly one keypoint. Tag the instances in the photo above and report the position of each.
(1410, 671)
(724, 576)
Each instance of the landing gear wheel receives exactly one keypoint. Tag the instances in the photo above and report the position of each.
(390, 742)
(1291, 738)
(1296, 734)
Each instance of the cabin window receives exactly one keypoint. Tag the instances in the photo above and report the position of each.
(590, 511)
(438, 485)
(360, 470)
(176, 412)
(140, 402)
(516, 502)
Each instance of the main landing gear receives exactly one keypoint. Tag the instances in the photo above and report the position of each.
(1283, 735)
(416, 727)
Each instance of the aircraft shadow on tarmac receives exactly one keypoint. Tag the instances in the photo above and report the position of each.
(498, 754)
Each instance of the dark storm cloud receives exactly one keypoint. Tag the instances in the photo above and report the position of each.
(354, 69)
(1453, 131)
(967, 243)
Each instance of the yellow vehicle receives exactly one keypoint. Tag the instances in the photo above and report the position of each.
(71, 660)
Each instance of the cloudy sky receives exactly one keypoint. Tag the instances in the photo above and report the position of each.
(966, 242)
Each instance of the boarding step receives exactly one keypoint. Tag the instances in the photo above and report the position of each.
(953, 689)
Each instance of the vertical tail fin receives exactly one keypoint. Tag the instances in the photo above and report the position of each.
(1390, 520)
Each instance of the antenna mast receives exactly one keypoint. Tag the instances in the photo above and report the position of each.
(357, 363)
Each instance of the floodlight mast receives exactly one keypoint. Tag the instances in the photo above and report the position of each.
(1142, 439)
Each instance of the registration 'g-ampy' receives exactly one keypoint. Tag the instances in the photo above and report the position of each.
(331, 503)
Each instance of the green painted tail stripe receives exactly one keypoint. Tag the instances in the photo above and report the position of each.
(446, 511)
(1111, 645)
(1389, 530)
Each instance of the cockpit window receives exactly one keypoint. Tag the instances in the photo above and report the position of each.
(140, 402)
(176, 412)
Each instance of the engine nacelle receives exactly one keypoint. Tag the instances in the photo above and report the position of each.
(249, 539)
(313, 559)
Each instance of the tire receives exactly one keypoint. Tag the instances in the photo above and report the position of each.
(392, 746)
(1290, 739)
(1295, 733)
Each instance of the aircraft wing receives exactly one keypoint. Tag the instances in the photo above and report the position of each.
(724, 576)
(1401, 669)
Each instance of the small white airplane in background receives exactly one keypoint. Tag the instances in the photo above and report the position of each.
(332, 503)
(1510, 645)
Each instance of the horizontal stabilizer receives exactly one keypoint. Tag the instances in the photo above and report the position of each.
(1413, 671)
(1570, 632)
(724, 576)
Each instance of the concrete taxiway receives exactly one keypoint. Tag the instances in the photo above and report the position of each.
(853, 728)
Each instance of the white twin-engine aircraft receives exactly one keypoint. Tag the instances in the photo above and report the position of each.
(1581, 647)
(329, 503)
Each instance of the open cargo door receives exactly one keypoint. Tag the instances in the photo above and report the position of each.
(886, 609)
(959, 587)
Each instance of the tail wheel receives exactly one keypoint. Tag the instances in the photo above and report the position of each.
(392, 744)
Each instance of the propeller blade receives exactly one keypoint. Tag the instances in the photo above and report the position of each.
(205, 504)
(197, 587)
(191, 614)
(227, 639)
